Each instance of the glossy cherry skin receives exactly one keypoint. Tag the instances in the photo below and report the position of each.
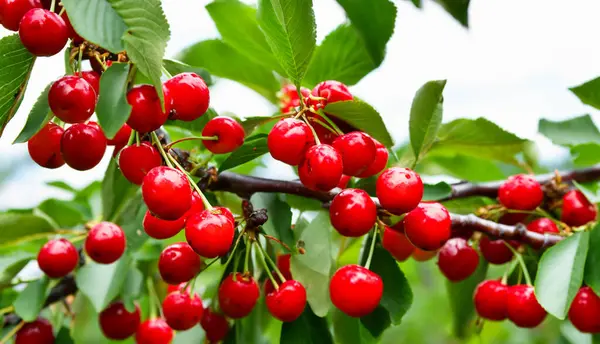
(44, 147)
(136, 161)
(122, 136)
(343, 184)
(12, 11)
(457, 260)
(522, 306)
(146, 111)
(178, 287)
(577, 210)
(585, 311)
(167, 192)
(198, 205)
(288, 302)
(162, 229)
(190, 96)
(356, 291)
(357, 150)
(37, 332)
(333, 91)
(215, 325)
(284, 264)
(397, 244)
(428, 226)
(209, 234)
(542, 225)
(72, 99)
(116, 322)
(521, 192)
(490, 299)
(399, 190)
(178, 263)
(353, 213)
(229, 133)
(379, 163)
(238, 297)
(495, 251)
(93, 79)
(83, 146)
(154, 331)
(57, 258)
(182, 311)
(105, 243)
(321, 169)
(423, 256)
(42, 32)
(289, 140)
(288, 97)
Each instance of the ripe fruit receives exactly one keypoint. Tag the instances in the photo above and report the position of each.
(521, 192)
(122, 136)
(495, 251)
(105, 243)
(577, 209)
(162, 229)
(333, 91)
(57, 258)
(229, 133)
(289, 139)
(167, 192)
(353, 213)
(238, 295)
(423, 256)
(178, 263)
(397, 244)
(321, 169)
(585, 311)
(428, 226)
(72, 99)
(399, 190)
(287, 303)
(283, 264)
(117, 322)
(190, 96)
(522, 306)
(44, 147)
(357, 150)
(197, 205)
(381, 159)
(226, 212)
(457, 260)
(490, 299)
(355, 290)
(38, 331)
(146, 111)
(42, 32)
(12, 11)
(136, 161)
(542, 225)
(288, 97)
(209, 234)
(93, 79)
(215, 325)
(344, 181)
(154, 331)
(83, 146)
(182, 311)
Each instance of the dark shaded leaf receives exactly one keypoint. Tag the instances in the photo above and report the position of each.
(279, 224)
(252, 148)
(307, 329)
(459, 9)
(349, 330)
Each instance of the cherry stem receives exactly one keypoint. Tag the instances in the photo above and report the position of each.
(97, 57)
(160, 148)
(16, 329)
(277, 241)
(207, 138)
(521, 262)
(247, 257)
(52, 5)
(153, 298)
(234, 249)
(131, 137)
(78, 238)
(236, 263)
(5, 310)
(193, 281)
(166, 72)
(277, 271)
(62, 10)
(205, 201)
(266, 266)
(509, 270)
(371, 250)
(324, 125)
(312, 130)
(331, 123)
(137, 138)
(80, 57)
(300, 96)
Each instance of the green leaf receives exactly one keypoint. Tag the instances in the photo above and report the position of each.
(15, 225)
(195, 126)
(349, 330)
(588, 92)
(290, 30)
(131, 221)
(251, 123)
(59, 184)
(10, 265)
(574, 131)
(66, 214)
(463, 167)
(85, 327)
(560, 274)
(16, 64)
(377, 321)
(592, 263)
(252, 148)
(426, 116)
(113, 109)
(101, 283)
(176, 67)
(279, 212)
(307, 329)
(467, 205)
(361, 116)
(116, 191)
(459, 9)
(30, 301)
(39, 115)
(222, 60)
(132, 288)
(586, 154)
(434, 192)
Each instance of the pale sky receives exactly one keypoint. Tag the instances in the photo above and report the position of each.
(513, 66)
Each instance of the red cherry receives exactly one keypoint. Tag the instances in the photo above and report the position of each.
(209, 234)
(397, 244)
(116, 322)
(289, 139)
(357, 150)
(287, 303)
(333, 91)
(105, 243)
(42, 32)
(495, 251)
(72, 99)
(344, 181)
(136, 161)
(226, 212)
(122, 136)
(198, 205)
(57, 258)
(238, 295)
(321, 169)
(93, 79)
(381, 159)
(542, 225)
(37, 332)
(288, 97)
(428, 226)
(457, 260)
(178, 263)
(44, 147)
(190, 96)
(83, 146)
(356, 291)
(521, 192)
(12, 11)
(167, 192)
(182, 311)
(353, 213)
(490, 300)
(577, 209)
(146, 111)
(423, 256)
(179, 287)
(283, 264)
(229, 133)
(324, 134)
(522, 306)
(585, 311)
(162, 229)
(154, 331)
(399, 190)
(215, 325)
